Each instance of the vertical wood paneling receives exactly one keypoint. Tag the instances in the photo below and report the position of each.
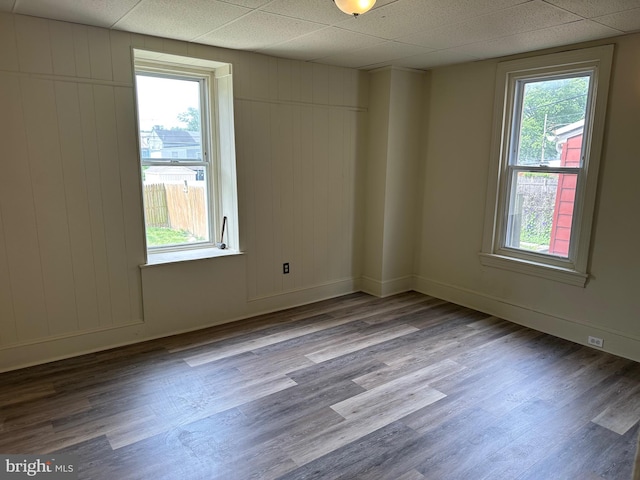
(335, 202)
(272, 79)
(19, 217)
(62, 49)
(297, 166)
(8, 331)
(89, 136)
(306, 82)
(284, 79)
(81, 51)
(112, 205)
(8, 46)
(277, 220)
(41, 125)
(34, 48)
(286, 195)
(100, 53)
(337, 86)
(77, 203)
(263, 165)
(308, 219)
(320, 210)
(121, 56)
(131, 184)
(320, 84)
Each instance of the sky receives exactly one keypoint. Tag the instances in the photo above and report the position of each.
(160, 100)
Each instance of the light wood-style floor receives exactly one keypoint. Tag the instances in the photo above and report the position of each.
(403, 388)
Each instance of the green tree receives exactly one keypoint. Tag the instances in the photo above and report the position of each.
(191, 119)
(548, 105)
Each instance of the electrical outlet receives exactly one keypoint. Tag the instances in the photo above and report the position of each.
(285, 268)
(596, 342)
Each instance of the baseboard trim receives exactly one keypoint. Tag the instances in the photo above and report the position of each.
(387, 288)
(51, 349)
(615, 342)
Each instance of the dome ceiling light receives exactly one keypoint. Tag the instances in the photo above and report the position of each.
(355, 7)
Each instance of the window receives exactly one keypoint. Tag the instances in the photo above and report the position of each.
(187, 154)
(549, 121)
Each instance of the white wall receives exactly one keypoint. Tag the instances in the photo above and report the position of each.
(71, 229)
(455, 182)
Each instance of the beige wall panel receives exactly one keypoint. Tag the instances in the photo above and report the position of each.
(287, 200)
(77, 202)
(19, 217)
(121, 56)
(81, 51)
(175, 47)
(34, 48)
(89, 137)
(62, 48)
(261, 254)
(41, 125)
(297, 194)
(8, 330)
(8, 46)
(337, 86)
(307, 186)
(306, 82)
(273, 78)
(283, 83)
(321, 188)
(112, 203)
(100, 53)
(336, 246)
(320, 84)
(258, 71)
(275, 174)
(131, 184)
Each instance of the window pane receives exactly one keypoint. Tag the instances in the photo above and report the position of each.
(541, 210)
(175, 205)
(552, 121)
(169, 113)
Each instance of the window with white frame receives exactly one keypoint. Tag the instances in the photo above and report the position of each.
(549, 122)
(185, 125)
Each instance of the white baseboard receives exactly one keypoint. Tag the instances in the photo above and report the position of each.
(615, 342)
(50, 349)
(387, 288)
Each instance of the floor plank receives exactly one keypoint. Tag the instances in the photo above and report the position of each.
(408, 387)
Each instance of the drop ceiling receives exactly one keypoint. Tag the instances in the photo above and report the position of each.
(406, 33)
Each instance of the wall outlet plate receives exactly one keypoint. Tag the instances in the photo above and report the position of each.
(596, 342)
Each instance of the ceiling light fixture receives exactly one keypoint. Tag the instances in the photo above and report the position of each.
(355, 7)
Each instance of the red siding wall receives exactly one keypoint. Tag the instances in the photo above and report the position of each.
(565, 198)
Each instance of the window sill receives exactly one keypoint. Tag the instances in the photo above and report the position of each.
(162, 258)
(550, 272)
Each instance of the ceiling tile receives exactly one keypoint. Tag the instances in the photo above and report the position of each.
(257, 30)
(90, 12)
(179, 19)
(313, 10)
(569, 33)
(322, 43)
(380, 53)
(247, 3)
(628, 21)
(524, 17)
(433, 59)
(595, 8)
(407, 16)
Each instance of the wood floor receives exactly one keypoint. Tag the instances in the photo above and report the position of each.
(403, 388)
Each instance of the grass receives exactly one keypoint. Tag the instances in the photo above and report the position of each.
(157, 237)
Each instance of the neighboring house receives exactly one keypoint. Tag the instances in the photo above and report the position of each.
(178, 144)
(169, 174)
(569, 146)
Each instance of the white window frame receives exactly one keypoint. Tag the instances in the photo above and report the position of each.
(495, 253)
(218, 137)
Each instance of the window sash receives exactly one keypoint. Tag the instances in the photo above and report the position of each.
(206, 135)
